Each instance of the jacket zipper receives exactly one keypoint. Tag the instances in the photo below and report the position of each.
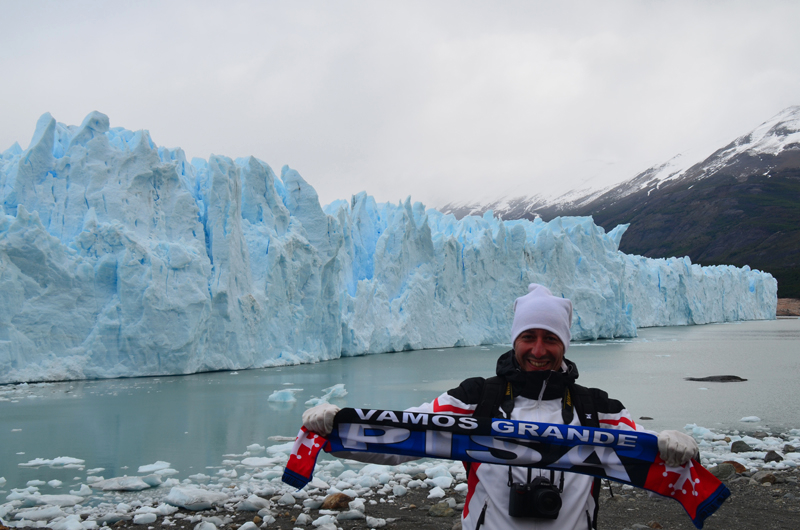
(482, 516)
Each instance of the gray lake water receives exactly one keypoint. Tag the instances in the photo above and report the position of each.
(192, 421)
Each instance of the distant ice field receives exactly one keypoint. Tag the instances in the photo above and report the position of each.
(193, 421)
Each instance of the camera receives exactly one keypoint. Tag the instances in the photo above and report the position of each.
(540, 499)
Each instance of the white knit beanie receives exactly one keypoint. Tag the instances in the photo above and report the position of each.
(540, 309)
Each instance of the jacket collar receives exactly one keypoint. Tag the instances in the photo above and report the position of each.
(529, 384)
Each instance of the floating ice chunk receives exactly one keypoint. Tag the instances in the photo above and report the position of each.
(284, 396)
(70, 522)
(123, 484)
(61, 461)
(19, 494)
(278, 438)
(259, 461)
(332, 392)
(750, 419)
(57, 500)
(2, 481)
(335, 391)
(36, 483)
(54, 483)
(195, 498)
(255, 449)
(45, 513)
(280, 449)
(144, 518)
(150, 468)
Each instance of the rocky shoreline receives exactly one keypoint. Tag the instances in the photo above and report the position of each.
(760, 500)
(788, 307)
(762, 470)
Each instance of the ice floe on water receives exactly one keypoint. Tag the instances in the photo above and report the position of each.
(335, 391)
(284, 396)
(62, 461)
(750, 419)
(252, 483)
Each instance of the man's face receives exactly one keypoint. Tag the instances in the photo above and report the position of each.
(538, 349)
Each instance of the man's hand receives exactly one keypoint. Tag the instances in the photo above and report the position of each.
(677, 448)
(319, 419)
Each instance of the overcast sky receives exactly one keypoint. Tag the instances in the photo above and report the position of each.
(439, 100)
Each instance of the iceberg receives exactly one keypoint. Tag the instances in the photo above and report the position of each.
(120, 258)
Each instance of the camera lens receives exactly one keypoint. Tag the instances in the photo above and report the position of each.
(547, 502)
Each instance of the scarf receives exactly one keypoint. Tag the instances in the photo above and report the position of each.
(628, 457)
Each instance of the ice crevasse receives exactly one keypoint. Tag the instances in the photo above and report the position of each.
(121, 258)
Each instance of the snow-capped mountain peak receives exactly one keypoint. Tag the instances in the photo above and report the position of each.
(741, 157)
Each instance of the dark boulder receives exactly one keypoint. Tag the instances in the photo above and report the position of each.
(740, 447)
(772, 456)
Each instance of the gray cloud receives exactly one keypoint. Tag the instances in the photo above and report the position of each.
(437, 100)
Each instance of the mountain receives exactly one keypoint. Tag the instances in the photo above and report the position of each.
(739, 206)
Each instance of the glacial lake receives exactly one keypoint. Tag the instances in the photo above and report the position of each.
(193, 421)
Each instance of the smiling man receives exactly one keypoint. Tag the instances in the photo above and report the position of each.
(538, 349)
(534, 383)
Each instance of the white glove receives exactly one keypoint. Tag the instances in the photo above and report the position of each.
(677, 448)
(319, 419)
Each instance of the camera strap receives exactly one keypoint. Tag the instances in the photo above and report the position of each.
(530, 476)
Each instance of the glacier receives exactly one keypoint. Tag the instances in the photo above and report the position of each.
(121, 258)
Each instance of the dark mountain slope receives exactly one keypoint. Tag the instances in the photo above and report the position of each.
(740, 206)
(724, 219)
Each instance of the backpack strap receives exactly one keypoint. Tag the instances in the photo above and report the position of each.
(586, 410)
(496, 395)
(584, 404)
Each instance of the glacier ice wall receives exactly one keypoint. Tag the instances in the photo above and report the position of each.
(122, 258)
